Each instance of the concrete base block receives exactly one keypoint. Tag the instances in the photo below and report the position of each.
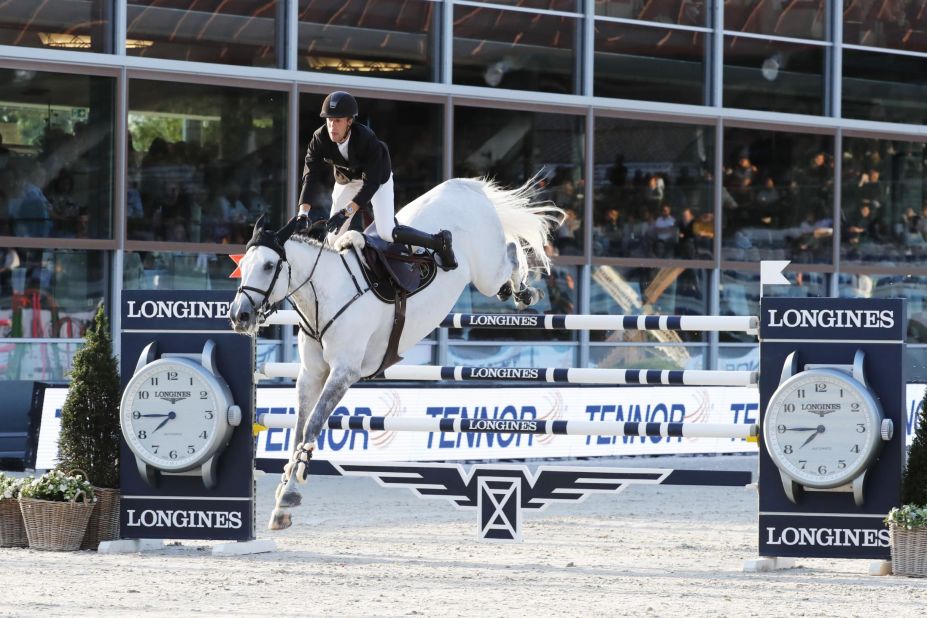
(880, 567)
(129, 546)
(242, 548)
(765, 564)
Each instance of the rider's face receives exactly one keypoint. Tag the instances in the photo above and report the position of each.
(338, 128)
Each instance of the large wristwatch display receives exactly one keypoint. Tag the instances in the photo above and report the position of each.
(177, 414)
(823, 428)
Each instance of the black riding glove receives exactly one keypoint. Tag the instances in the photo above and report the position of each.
(302, 223)
(337, 220)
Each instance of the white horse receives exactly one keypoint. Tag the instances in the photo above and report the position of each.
(498, 238)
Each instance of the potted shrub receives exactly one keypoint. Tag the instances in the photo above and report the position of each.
(908, 523)
(12, 531)
(56, 508)
(90, 434)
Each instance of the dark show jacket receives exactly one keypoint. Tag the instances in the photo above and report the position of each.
(368, 160)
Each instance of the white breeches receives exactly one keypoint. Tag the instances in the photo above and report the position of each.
(384, 210)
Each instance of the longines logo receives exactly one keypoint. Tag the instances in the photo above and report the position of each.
(502, 320)
(485, 424)
(832, 318)
(505, 373)
(827, 537)
(172, 396)
(193, 309)
(157, 518)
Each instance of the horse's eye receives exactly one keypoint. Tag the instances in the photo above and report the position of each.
(268, 266)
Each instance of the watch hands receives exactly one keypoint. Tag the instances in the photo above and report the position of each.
(801, 428)
(154, 415)
(817, 432)
(170, 416)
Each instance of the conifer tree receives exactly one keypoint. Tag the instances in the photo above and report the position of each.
(914, 481)
(90, 434)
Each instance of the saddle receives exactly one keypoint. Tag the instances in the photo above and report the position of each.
(394, 273)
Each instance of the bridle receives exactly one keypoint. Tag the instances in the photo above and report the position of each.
(264, 309)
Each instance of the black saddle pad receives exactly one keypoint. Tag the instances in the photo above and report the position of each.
(392, 268)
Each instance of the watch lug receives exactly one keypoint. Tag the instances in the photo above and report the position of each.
(858, 370)
(858, 488)
(208, 472)
(789, 367)
(790, 487)
(147, 472)
(149, 353)
(209, 357)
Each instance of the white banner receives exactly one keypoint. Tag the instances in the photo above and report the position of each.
(643, 404)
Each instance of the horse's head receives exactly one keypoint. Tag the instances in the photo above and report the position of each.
(265, 277)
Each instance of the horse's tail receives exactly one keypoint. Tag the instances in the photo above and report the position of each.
(526, 222)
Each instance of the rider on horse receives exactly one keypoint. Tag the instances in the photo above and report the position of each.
(363, 174)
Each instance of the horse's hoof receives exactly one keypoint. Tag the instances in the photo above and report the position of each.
(289, 499)
(280, 520)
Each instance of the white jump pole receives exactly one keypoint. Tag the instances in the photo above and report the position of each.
(523, 426)
(528, 321)
(654, 377)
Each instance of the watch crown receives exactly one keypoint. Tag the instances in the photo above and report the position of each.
(888, 429)
(234, 416)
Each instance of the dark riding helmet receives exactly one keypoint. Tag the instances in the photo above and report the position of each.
(339, 105)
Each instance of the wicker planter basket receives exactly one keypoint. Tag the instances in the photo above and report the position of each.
(12, 530)
(56, 526)
(909, 551)
(104, 521)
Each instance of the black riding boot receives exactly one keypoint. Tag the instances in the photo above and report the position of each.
(440, 243)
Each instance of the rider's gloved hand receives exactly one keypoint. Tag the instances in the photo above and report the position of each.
(302, 223)
(337, 221)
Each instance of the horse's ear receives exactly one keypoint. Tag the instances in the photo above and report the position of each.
(284, 233)
(260, 224)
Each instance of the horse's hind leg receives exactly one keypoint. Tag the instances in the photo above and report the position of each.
(308, 386)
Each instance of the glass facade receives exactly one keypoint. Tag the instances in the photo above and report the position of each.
(685, 141)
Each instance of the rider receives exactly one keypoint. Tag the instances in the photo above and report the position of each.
(363, 174)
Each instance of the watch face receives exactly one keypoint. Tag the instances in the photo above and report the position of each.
(173, 414)
(822, 428)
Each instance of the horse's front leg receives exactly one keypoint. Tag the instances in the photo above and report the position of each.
(297, 471)
(309, 385)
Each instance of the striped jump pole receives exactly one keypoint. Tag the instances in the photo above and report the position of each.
(611, 377)
(524, 426)
(530, 321)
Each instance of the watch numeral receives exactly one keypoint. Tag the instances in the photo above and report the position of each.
(788, 407)
(191, 381)
(820, 387)
(142, 434)
(860, 428)
(801, 393)
(787, 449)
(841, 393)
(143, 394)
(155, 447)
(154, 381)
(203, 435)
(172, 376)
(841, 464)
(854, 407)
(822, 469)
(204, 394)
(780, 428)
(803, 463)
(208, 414)
(136, 414)
(172, 454)
(190, 449)
(854, 448)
